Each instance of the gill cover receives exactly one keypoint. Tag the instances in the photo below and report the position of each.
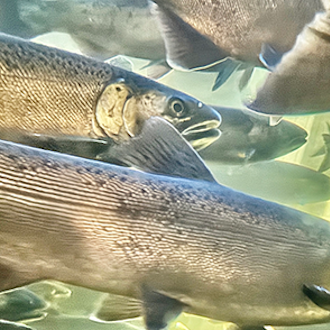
(108, 117)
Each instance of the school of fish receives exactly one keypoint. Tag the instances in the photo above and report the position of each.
(162, 202)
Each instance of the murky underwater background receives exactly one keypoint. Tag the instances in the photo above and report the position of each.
(70, 308)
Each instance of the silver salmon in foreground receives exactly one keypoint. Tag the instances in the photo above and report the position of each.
(175, 244)
(49, 91)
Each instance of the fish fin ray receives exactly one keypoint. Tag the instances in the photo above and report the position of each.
(159, 309)
(269, 56)
(160, 149)
(245, 78)
(318, 295)
(182, 41)
(225, 69)
(116, 308)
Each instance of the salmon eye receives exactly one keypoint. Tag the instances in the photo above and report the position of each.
(177, 106)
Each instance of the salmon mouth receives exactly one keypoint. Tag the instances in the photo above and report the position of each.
(201, 127)
(202, 134)
(298, 141)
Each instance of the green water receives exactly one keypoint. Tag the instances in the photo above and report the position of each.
(73, 311)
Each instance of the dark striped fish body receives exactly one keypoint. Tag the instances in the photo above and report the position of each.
(240, 27)
(219, 253)
(45, 90)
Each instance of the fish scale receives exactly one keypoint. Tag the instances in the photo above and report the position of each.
(241, 27)
(48, 91)
(39, 101)
(220, 253)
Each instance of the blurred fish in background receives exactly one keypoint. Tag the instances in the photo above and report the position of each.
(21, 305)
(247, 138)
(101, 28)
(278, 181)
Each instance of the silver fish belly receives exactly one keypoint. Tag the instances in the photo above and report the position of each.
(219, 253)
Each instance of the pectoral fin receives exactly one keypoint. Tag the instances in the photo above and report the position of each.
(318, 295)
(159, 309)
(159, 148)
(269, 57)
(115, 308)
(185, 47)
